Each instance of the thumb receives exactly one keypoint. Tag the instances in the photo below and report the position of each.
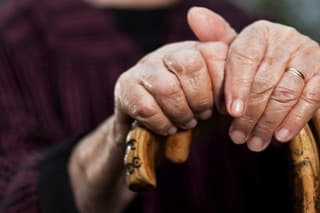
(209, 26)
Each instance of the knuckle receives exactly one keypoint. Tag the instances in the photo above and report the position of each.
(193, 61)
(263, 86)
(203, 104)
(143, 110)
(123, 78)
(267, 123)
(241, 82)
(297, 118)
(246, 122)
(311, 97)
(120, 87)
(184, 62)
(265, 128)
(169, 88)
(285, 95)
(262, 23)
(260, 27)
(250, 55)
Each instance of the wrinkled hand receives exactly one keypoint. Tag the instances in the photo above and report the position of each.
(265, 99)
(173, 87)
(168, 89)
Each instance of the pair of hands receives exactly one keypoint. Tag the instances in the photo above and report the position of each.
(178, 84)
(243, 74)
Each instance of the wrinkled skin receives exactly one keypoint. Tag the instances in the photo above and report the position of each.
(264, 99)
(179, 84)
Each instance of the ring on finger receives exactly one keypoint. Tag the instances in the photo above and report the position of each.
(296, 72)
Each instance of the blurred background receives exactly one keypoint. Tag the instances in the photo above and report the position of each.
(302, 14)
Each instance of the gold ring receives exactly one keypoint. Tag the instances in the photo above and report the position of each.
(295, 72)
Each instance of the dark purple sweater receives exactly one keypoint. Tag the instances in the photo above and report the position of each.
(59, 60)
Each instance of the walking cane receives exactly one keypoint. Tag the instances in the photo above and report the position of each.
(140, 165)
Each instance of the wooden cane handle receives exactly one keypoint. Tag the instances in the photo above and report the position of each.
(139, 162)
(178, 146)
(139, 159)
(140, 155)
(305, 158)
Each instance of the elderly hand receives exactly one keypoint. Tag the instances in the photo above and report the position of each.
(168, 89)
(272, 79)
(172, 87)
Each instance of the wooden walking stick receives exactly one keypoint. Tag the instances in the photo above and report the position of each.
(139, 162)
(140, 154)
(305, 158)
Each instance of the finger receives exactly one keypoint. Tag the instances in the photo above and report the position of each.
(302, 112)
(307, 62)
(215, 54)
(253, 71)
(133, 100)
(282, 100)
(268, 74)
(209, 26)
(190, 68)
(165, 88)
(244, 58)
(286, 94)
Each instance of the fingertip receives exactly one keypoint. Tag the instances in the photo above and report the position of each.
(205, 114)
(283, 135)
(257, 144)
(173, 130)
(237, 136)
(236, 107)
(193, 11)
(209, 26)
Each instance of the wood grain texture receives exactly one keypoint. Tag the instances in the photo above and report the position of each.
(139, 159)
(139, 162)
(305, 158)
(178, 146)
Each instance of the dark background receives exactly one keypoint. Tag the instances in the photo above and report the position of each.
(302, 14)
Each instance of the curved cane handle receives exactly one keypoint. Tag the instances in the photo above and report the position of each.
(139, 162)
(140, 155)
(139, 159)
(305, 157)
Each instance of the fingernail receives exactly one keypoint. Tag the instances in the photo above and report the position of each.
(238, 137)
(283, 135)
(237, 107)
(191, 124)
(173, 130)
(256, 144)
(205, 114)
